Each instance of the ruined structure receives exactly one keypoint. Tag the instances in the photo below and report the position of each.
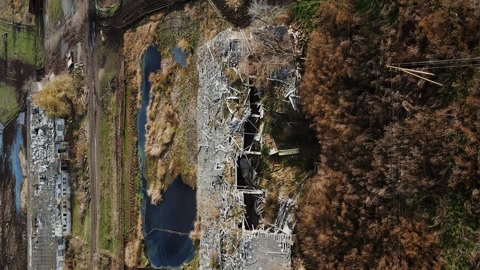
(230, 129)
(49, 213)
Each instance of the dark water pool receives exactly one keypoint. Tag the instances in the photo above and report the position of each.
(166, 226)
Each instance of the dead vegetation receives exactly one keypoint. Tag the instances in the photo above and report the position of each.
(196, 234)
(134, 247)
(136, 43)
(235, 4)
(398, 157)
(76, 257)
(162, 118)
(165, 145)
(80, 169)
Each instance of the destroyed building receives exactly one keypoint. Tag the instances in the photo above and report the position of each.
(230, 145)
(49, 194)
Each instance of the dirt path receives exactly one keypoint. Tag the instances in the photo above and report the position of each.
(93, 116)
(70, 32)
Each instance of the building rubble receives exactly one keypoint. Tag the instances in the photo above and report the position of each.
(230, 135)
(49, 209)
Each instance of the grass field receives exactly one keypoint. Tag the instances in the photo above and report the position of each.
(8, 103)
(20, 42)
(82, 230)
(109, 188)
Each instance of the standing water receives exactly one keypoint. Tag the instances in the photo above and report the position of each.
(179, 56)
(166, 226)
(15, 157)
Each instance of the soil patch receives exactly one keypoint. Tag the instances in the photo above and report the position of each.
(235, 14)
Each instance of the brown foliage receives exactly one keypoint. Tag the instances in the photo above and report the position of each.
(392, 146)
(196, 233)
(56, 96)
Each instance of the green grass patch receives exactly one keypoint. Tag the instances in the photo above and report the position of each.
(459, 237)
(87, 228)
(20, 43)
(54, 10)
(168, 36)
(8, 103)
(108, 239)
(109, 224)
(305, 12)
(108, 11)
(79, 228)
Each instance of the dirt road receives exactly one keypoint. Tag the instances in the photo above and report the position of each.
(93, 116)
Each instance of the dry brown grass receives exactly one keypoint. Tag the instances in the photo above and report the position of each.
(155, 192)
(77, 255)
(230, 171)
(196, 234)
(235, 4)
(169, 133)
(160, 131)
(183, 44)
(213, 25)
(213, 211)
(80, 181)
(136, 43)
(285, 179)
(133, 248)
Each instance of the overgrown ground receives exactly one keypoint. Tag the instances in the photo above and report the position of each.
(8, 103)
(171, 134)
(110, 211)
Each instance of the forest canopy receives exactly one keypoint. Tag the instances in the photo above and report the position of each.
(398, 185)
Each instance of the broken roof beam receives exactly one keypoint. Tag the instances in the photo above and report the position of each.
(258, 136)
(289, 152)
(293, 102)
(256, 153)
